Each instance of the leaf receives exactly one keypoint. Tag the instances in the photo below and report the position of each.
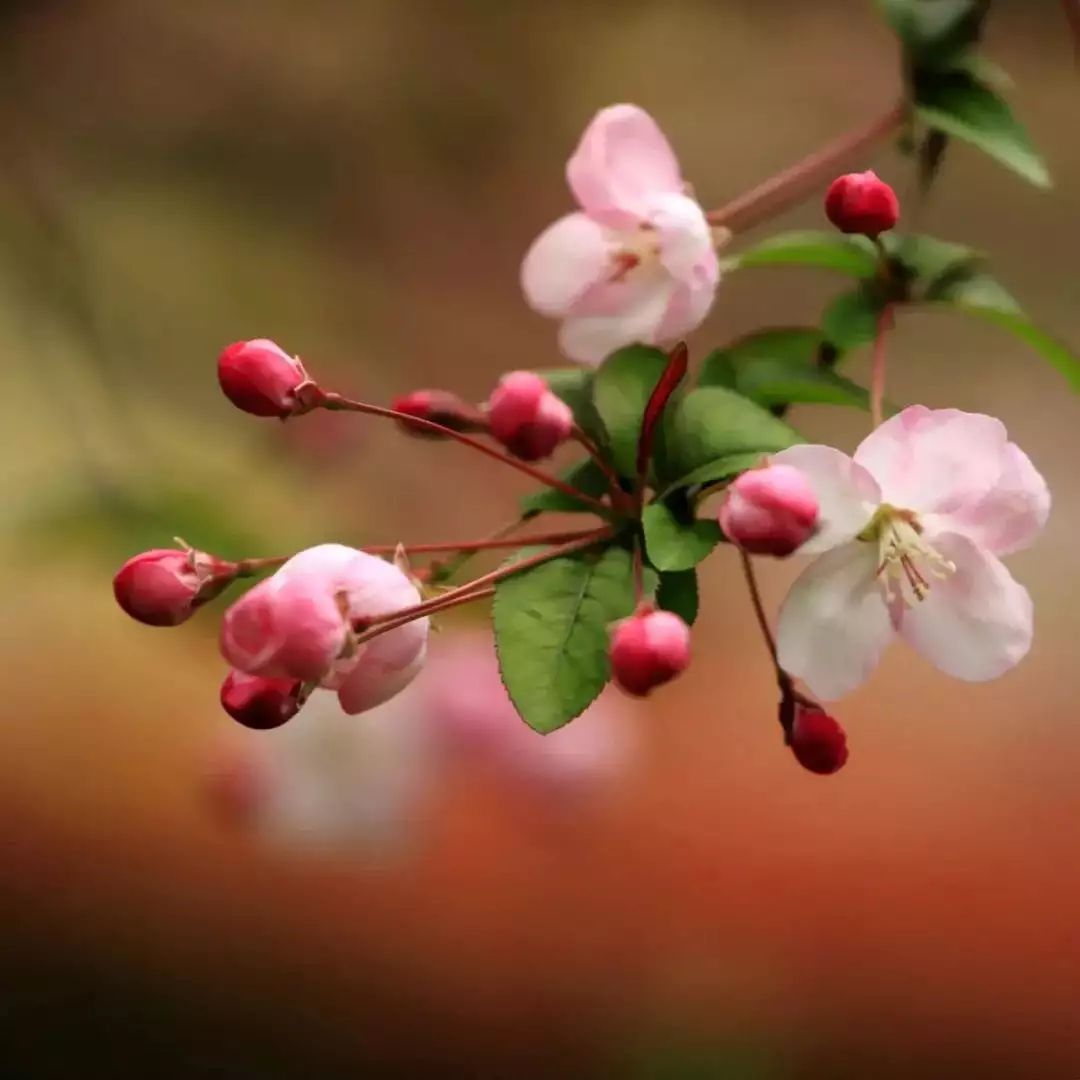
(851, 320)
(586, 476)
(711, 423)
(925, 258)
(551, 632)
(677, 541)
(959, 105)
(797, 343)
(678, 592)
(575, 387)
(674, 373)
(846, 254)
(927, 25)
(621, 391)
(712, 472)
(779, 382)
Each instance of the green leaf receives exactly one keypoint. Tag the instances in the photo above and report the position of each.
(575, 387)
(551, 632)
(779, 382)
(624, 383)
(710, 423)
(677, 540)
(959, 105)
(678, 592)
(827, 251)
(925, 259)
(712, 472)
(584, 475)
(851, 320)
(925, 24)
(721, 367)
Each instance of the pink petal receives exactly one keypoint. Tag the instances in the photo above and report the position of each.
(590, 339)
(564, 262)
(686, 243)
(834, 624)
(975, 624)
(622, 159)
(934, 460)
(1011, 514)
(381, 673)
(847, 494)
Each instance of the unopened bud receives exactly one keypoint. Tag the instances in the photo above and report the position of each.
(862, 203)
(770, 511)
(817, 740)
(261, 378)
(258, 702)
(164, 587)
(440, 407)
(527, 418)
(649, 649)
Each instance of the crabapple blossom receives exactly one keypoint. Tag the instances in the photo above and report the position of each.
(649, 649)
(166, 586)
(301, 623)
(910, 534)
(260, 377)
(861, 203)
(769, 511)
(527, 418)
(637, 263)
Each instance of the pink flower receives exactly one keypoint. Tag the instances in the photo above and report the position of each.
(910, 533)
(527, 418)
(770, 511)
(649, 649)
(261, 378)
(637, 263)
(302, 622)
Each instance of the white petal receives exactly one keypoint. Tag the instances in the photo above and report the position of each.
(686, 243)
(834, 624)
(847, 494)
(565, 261)
(590, 339)
(977, 623)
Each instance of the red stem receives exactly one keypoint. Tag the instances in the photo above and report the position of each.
(877, 377)
(759, 612)
(788, 187)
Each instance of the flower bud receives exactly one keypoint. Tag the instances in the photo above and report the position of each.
(862, 203)
(527, 418)
(649, 649)
(258, 702)
(261, 378)
(165, 586)
(817, 740)
(770, 511)
(440, 407)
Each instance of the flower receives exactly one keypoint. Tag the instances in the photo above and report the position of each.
(909, 534)
(301, 623)
(527, 418)
(862, 203)
(649, 649)
(769, 511)
(637, 263)
(817, 740)
(261, 378)
(166, 586)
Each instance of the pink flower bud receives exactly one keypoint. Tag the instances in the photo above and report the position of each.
(261, 378)
(260, 703)
(527, 418)
(861, 203)
(440, 407)
(817, 741)
(165, 586)
(649, 649)
(770, 511)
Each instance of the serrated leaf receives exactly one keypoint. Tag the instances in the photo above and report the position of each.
(678, 592)
(586, 476)
(711, 423)
(851, 320)
(677, 541)
(621, 391)
(959, 105)
(827, 251)
(552, 632)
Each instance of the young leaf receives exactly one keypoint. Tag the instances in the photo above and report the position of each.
(711, 423)
(677, 540)
(621, 391)
(585, 475)
(674, 373)
(959, 105)
(826, 251)
(678, 592)
(551, 632)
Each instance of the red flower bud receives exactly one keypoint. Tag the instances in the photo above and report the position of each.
(649, 649)
(861, 203)
(258, 702)
(164, 587)
(527, 418)
(261, 378)
(817, 740)
(440, 407)
(770, 511)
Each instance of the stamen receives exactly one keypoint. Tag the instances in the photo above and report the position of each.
(905, 556)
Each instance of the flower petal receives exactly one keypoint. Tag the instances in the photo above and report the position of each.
(622, 158)
(686, 242)
(847, 494)
(565, 261)
(590, 339)
(381, 673)
(835, 624)
(934, 460)
(975, 624)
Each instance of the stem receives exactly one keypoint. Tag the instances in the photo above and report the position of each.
(877, 377)
(470, 546)
(759, 612)
(786, 188)
(338, 403)
(619, 499)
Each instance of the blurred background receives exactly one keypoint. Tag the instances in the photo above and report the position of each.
(359, 182)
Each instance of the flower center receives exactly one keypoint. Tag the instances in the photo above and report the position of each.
(641, 248)
(904, 557)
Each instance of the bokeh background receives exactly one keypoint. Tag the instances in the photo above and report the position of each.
(359, 181)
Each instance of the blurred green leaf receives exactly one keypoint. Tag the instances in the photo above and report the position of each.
(677, 540)
(851, 320)
(586, 476)
(826, 251)
(712, 472)
(621, 391)
(678, 592)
